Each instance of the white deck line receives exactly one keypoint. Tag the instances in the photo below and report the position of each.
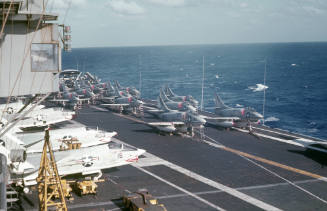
(285, 140)
(207, 181)
(180, 189)
(214, 184)
(279, 133)
(271, 137)
(98, 108)
(255, 187)
(107, 203)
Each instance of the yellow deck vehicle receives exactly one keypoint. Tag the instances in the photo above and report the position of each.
(142, 201)
(87, 187)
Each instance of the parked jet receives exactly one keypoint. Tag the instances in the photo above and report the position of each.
(228, 116)
(131, 90)
(320, 146)
(68, 138)
(85, 161)
(171, 95)
(43, 118)
(70, 98)
(180, 106)
(175, 120)
(40, 117)
(119, 102)
(243, 113)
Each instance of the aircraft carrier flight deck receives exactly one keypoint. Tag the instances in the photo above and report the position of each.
(226, 170)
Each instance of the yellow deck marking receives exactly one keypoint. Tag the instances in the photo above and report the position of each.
(263, 160)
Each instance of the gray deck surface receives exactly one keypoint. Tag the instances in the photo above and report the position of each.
(185, 173)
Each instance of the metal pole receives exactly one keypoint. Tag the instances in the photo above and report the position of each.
(3, 182)
(264, 92)
(6, 128)
(201, 107)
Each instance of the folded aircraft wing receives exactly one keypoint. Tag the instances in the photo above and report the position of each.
(115, 105)
(160, 123)
(109, 98)
(83, 99)
(314, 145)
(221, 118)
(59, 100)
(165, 123)
(33, 124)
(167, 127)
(86, 161)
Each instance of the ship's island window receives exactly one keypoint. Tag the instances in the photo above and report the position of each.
(44, 57)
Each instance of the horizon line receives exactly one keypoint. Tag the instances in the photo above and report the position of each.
(173, 45)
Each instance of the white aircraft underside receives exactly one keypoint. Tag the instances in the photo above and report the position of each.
(86, 137)
(117, 107)
(222, 121)
(86, 161)
(168, 127)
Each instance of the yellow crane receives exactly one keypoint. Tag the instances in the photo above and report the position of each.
(49, 182)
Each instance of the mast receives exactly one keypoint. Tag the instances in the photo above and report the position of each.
(264, 92)
(140, 75)
(201, 107)
(140, 83)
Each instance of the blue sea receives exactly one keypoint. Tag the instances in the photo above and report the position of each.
(296, 74)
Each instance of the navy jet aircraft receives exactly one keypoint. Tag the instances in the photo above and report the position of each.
(171, 95)
(69, 98)
(175, 120)
(180, 106)
(234, 116)
(131, 90)
(122, 101)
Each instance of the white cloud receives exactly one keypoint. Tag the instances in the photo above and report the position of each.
(171, 3)
(64, 4)
(243, 5)
(313, 10)
(125, 7)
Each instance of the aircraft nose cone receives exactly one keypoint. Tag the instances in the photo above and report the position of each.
(203, 121)
(140, 152)
(258, 115)
(195, 102)
(191, 108)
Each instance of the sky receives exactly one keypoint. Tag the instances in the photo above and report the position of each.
(108, 23)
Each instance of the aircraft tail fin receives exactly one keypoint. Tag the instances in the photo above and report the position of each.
(117, 84)
(169, 91)
(163, 105)
(110, 87)
(163, 95)
(218, 102)
(117, 93)
(78, 77)
(90, 76)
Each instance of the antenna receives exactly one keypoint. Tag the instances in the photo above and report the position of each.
(140, 76)
(140, 83)
(201, 107)
(264, 92)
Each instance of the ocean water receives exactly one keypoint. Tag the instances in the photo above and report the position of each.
(296, 74)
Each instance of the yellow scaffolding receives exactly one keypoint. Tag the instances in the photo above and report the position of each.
(49, 182)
